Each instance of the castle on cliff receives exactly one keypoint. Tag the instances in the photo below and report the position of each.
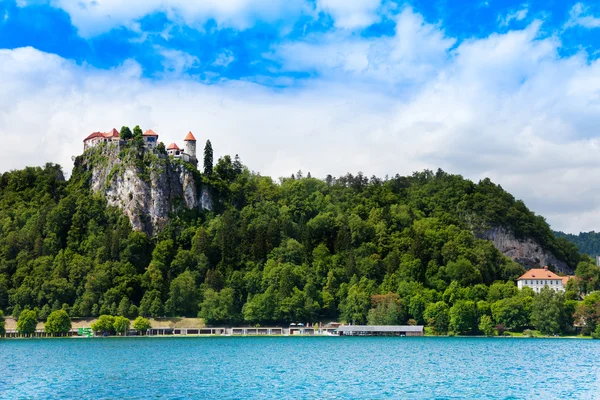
(187, 154)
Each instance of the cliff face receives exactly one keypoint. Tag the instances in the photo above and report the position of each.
(526, 252)
(149, 187)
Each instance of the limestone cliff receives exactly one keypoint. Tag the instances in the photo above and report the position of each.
(526, 252)
(147, 185)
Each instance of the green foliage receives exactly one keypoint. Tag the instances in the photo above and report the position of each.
(587, 242)
(513, 312)
(547, 311)
(208, 158)
(104, 324)
(218, 307)
(463, 317)
(121, 325)
(486, 326)
(27, 322)
(596, 333)
(297, 250)
(438, 317)
(141, 324)
(387, 311)
(2, 324)
(125, 133)
(58, 322)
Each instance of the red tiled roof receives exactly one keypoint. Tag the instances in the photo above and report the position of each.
(189, 138)
(539, 273)
(173, 146)
(93, 135)
(107, 135)
(565, 279)
(150, 132)
(112, 133)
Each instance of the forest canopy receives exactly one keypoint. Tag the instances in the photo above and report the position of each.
(350, 248)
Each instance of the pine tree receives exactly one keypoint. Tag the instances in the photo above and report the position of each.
(208, 158)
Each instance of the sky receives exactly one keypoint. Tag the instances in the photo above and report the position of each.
(508, 90)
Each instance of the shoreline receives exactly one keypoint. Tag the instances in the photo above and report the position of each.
(207, 336)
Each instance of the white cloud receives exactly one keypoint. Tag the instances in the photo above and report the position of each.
(518, 15)
(93, 17)
(413, 54)
(176, 62)
(350, 14)
(579, 16)
(224, 58)
(506, 106)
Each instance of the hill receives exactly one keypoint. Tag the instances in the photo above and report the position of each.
(587, 242)
(134, 232)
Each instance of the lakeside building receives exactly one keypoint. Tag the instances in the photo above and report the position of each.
(538, 278)
(187, 154)
(380, 330)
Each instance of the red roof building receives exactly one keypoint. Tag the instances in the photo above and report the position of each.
(538, 278)
(189, 138)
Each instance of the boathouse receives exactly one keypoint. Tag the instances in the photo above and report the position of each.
(380, 330)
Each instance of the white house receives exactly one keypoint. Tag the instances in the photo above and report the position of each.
(188, 154)
(537, 278)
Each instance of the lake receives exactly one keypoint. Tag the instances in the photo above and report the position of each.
(297, 367)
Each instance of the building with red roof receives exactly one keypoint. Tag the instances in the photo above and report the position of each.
(101, 137)
(538, 278)
(188, 154)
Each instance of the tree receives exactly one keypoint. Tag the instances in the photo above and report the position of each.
(27, 322)
(121, 325)
(182, 296)
(547, 311)
(596, 333)
(104, 324)
(436, 314)
(2, 324)
(58, 322)
(513, 313)
(125, 133)
(208, 158)
(463, 317)
(137, 132)
(141, 325)
(486, 326)
(387, 310)
(416, 308)
(218, 307)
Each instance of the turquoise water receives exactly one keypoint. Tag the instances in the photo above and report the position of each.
(289, 367)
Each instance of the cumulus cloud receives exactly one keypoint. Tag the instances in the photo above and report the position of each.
(350, 14)
(414, 54)
(518, 15)
(93, 17)
(506, 106)
(580, 16)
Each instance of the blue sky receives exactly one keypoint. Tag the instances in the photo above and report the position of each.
(503, 89)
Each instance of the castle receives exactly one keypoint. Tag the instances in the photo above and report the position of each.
(187, 154)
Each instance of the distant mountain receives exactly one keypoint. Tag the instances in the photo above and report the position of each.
(587, 242)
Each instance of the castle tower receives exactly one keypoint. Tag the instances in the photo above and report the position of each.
(190, 145)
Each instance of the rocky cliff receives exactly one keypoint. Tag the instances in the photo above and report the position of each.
(148, 186)
(526, 252)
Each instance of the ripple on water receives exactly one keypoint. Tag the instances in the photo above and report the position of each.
(285, 367)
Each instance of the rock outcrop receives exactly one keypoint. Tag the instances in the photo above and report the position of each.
(526, 252)
(148, 186)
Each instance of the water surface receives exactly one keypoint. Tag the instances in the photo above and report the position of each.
(291, 367)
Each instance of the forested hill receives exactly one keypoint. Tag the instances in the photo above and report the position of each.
(299, 249)
(587, 242)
